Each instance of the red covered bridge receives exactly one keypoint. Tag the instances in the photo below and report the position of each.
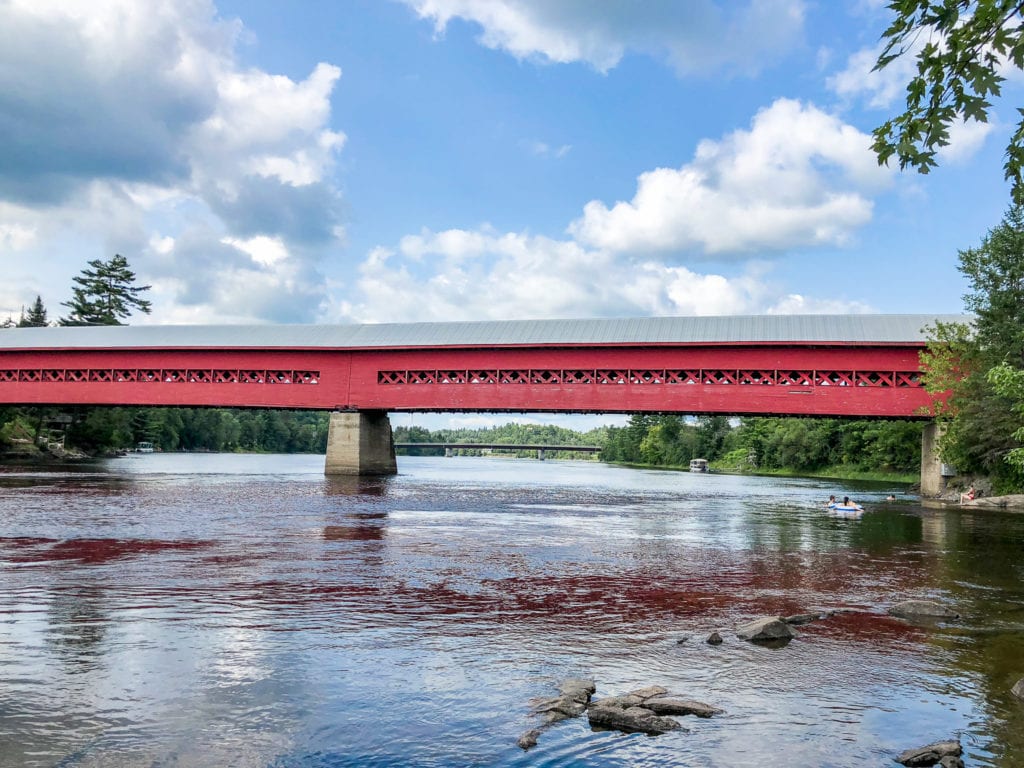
(837, 365)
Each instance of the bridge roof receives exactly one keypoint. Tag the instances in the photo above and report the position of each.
(732, 329)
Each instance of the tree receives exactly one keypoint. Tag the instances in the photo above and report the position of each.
(36, 316)
(967, 43)
(105, 294)
(982, 434)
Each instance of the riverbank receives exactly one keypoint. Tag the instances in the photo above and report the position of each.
(828, 473)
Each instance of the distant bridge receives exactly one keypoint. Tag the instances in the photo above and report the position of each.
(542, 450)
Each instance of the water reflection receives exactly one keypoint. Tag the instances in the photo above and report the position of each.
(251, 612)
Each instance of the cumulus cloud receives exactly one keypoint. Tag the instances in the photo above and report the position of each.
(132, 123)
(798, 177)
(484, 274)
(694, 36)
(885, 89)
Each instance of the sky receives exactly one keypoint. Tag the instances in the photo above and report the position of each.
(374, 161)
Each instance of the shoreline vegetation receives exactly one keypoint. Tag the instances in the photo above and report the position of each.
(826, 473)
(887, 451)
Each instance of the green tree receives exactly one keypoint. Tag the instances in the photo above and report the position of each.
(1008, 382)
(967, 43)
(982, 426)
(35, 317)
(105, 294)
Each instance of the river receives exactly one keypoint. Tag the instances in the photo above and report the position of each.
(238, 610)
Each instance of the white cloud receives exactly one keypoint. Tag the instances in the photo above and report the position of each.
(798, 177)
(878, 89)
(965, 139)
(694, 36)
(543, 149)
(483, 274)
(174, 143)
(885, 89)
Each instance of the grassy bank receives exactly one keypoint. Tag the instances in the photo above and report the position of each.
(838, 472)
(834, 472)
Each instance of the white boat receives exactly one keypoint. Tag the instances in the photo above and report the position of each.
(699, 465)
(846, 509)
(144, 447)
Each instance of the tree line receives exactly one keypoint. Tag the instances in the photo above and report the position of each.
(749, 444)
(809, 445)
(509, 434)
(106, 293)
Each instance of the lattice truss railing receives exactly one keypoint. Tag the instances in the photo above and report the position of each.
(158, 375)
(754, 377)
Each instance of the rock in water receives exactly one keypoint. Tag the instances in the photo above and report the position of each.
(714, 639)
(1018, 689)
(924, 609)
(930, 754)
(667, 705)
(577, 689)
(649, 691)
(529, 739)
(630, 720)
(803, 618)
(766, 629)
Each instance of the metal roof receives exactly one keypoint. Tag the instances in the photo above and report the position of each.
(777, 329)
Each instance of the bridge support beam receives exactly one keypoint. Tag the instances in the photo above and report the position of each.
(360, 443)
(933, 481)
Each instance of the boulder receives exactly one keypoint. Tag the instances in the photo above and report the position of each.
(649, 691)
(630, 719)
(577, 689)
(923, 609)
(767, 629)
(803, 618)
(528, 739)
(572, 702)
(619, 702)
(714, 639)
(561, 705)
(1018, 689)
(930, 754)
(667, 705)
(950, 761)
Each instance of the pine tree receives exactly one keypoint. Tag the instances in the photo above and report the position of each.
(105, 294)
(36, 316)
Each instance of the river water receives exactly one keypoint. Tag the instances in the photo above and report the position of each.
(223, 610)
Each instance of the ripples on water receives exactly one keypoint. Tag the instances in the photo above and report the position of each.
(171, 610)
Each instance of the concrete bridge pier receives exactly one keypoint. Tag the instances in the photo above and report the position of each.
(540, 454)
(933, 479)
(360, 443)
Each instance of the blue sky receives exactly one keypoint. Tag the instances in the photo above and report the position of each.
(406, 160)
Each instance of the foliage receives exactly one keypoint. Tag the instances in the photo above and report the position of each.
(967, 44)
(768, 444)
(101, 430)
(36, 316)
(1008, 382)
(512, 434)
(106, 294)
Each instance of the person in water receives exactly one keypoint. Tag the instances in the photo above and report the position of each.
(831, 501)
